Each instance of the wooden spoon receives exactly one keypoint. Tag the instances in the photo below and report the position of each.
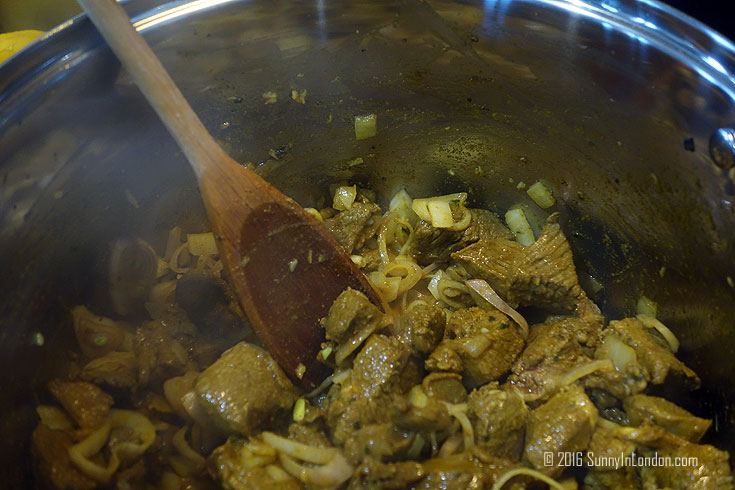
(283, 265)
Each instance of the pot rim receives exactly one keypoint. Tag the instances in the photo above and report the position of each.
(646, 22)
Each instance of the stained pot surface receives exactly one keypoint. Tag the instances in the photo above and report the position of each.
(612, 104)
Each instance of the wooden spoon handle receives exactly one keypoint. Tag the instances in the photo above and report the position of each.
(112, 21)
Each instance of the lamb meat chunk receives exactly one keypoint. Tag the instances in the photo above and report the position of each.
(352, 227)
(436, 244)
(244, 388)
(541, 274)
(644, 408)
(382, 371)
(551, 353)
(350, 320)
(708, 469)
(160, 355)
(382, 366)
(383, 442)
(227, 465)
(486, 343)
(86, 403)
(374, 475)
(116, 369)
(586, 325)
(51, 452)
(652, 354)
(347, 413)
(499, 419)
(446, 387)
(565, 423)
(622, 479)
(422, 326)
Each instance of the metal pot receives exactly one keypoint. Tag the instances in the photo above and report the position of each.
(612, 103)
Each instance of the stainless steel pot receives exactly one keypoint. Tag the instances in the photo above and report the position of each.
(612, 103)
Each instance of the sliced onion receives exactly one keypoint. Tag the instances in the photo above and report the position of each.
(488, 294)
(667, 334)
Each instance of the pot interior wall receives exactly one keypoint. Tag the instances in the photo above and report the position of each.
(469, 96)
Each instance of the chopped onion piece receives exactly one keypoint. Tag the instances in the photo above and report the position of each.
(667, 334)
(617, 351)
(646, 306)
(541, 195)
(417, 397)
(366, 126)
(518, 224)
(401, 205)
(53, 417)
(316, 214)
(386, 287)
(202, 244)
(488, 294)
(344, 197)
(299, 410)
(475, 345)
(436, 210)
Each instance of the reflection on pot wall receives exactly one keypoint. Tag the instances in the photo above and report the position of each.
(469, 96)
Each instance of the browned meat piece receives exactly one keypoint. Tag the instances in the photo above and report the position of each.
(86, 403)
(372, 474)
(380, 441)
(227, 466)
(622, 479)
(355, 225)
(708, 469)
(116, 369)
(160, 355)
(422, 326)
(551, 353)
(563, 424)
(51, 451)
(382, 371)
(644, 408)
(244, 389)
(541, 274)
(436, 244)
(383, 365)
(586, 325)
(652, 354)
(351, 320)
(485, 342)
(447, 387)
(499, 418)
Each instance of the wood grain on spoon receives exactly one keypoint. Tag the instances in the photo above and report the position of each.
(283, 265)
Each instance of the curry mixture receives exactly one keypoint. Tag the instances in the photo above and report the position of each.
(445, 385)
